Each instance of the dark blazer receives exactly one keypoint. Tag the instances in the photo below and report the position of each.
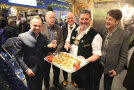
(32, 49)
(65, 30)
(129, 78)
(10, 31)
(23, 27)
(57, 35)
(117, 50)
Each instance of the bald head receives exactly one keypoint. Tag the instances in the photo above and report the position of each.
(70, 14)
(50, 18)
(70, 18)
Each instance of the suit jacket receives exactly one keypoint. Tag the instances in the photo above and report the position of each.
(117, 51)
(33, 51)
(129, 78)
(57, 35)
(10, 31)
(65, 30)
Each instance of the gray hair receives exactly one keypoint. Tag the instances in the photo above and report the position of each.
(48, 13)
(86, 12)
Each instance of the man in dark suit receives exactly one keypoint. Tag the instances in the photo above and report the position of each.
(10, 29)
(67, 29)
(23, 25)
(33, 47)
(53, 32)
(115, 47)
(129, 78)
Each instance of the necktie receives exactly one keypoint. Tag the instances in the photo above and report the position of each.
(71, 28)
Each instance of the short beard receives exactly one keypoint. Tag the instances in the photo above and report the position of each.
(84, 28)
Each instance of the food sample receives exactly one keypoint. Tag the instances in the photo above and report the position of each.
(66, 62)
(50, 45)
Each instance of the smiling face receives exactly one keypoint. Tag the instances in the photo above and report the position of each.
(84, 20)
(70, 18)
(111, 23)
(36, 26)
(50, 18)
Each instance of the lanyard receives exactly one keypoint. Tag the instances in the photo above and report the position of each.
(77, 40)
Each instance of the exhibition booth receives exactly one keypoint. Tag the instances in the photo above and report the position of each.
(33, 7)
(27, 8)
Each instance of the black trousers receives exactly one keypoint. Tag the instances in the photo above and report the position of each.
(56, 74)
(107, 82)
(65, 75)
(35, 82)
(89, 76)
(46, 74)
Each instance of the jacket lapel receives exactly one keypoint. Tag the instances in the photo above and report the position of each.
(45, 31)
(55, 33)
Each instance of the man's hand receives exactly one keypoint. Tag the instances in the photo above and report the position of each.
(67, 45)
(53, 44)
(81, 57)
(49, 53)
(113, 73)
(30, 73)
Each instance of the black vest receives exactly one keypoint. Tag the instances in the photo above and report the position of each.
(85, 48)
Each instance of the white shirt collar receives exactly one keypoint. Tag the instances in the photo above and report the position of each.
(86, 31)
(74, 25)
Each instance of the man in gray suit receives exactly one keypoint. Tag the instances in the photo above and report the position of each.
(115, 47)
(33, 46)
(53, 32)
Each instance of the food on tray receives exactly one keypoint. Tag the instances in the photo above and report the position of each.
(50, 45)
(77, 65)
(49, 58)
(53, 44)
(65, 60)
